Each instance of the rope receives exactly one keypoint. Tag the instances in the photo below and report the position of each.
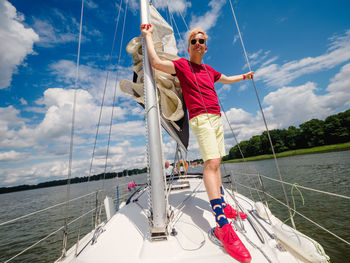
(148, 110)
(182, 205)
(300, 186)
(199, 245)
(263, 116)
(308, 188)
(294, 206)
(310, 220)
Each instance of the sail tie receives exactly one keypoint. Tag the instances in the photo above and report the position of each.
(294, 186)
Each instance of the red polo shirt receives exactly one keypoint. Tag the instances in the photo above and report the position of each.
(201, 98)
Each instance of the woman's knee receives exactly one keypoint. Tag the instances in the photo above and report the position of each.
(213, 164)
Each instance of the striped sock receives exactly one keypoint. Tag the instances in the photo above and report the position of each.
(216, 205)
(222, 197)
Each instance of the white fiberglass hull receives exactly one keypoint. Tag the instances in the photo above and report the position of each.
(125, 237)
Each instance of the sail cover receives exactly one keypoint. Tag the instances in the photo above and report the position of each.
(172, 108)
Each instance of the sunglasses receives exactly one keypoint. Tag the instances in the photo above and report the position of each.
(194, 41)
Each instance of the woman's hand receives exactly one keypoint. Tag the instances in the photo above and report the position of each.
(146, 29)
(248, 75)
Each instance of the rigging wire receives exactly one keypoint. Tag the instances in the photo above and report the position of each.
(263, 116)
(240, 150)
(105, 87)
(103, 96)
(113, 104)
(43, 210)
(46, 237)
(310, 220)
(65, 231)
(115, 90)
(308, 188)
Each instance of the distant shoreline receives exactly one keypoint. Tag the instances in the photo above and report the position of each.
(318, 149)
(75, 180)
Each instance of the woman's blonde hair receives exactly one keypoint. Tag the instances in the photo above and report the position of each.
(196, 31)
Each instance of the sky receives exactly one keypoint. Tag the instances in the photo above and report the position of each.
(299, 50)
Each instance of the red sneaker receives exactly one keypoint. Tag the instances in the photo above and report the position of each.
(232, 213)
(232, 244)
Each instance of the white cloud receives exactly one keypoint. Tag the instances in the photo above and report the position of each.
(208, 20)
(284, 107)
(10, 156)
(44, 146)
(294, 105)
(59, 104)
(91, 4)
(16, 42)
(291, 106)
(42, 142)
(33, 174)
(50, 35)
(23, 101)
(260, 58)
(280, 75)
(339, 89)
(9, 123)
(122, 156)
(175, 6)
(56, 123)
(91, 78)
(56, 28)
(243, 124)
(224, 89)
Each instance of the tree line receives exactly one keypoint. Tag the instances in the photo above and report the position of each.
(333, 130)
(74, 180)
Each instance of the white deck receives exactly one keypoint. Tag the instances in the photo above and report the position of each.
(126, 235)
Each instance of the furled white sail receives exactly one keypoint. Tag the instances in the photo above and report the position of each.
(169, 90)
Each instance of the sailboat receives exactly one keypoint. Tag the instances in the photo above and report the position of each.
(169, 219)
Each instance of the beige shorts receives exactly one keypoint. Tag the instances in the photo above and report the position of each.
(210, 135)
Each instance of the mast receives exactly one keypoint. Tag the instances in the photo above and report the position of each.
(155, 153)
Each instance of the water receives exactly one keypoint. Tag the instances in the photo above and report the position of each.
(327, 171)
